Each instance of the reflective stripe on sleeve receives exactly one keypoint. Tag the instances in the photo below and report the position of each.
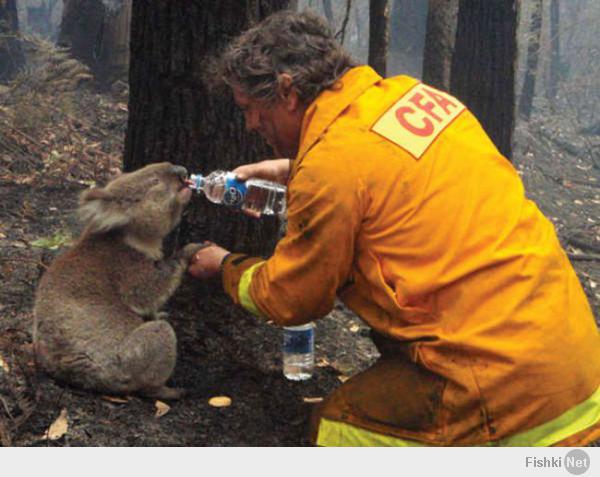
(244, 290)
(575, 420)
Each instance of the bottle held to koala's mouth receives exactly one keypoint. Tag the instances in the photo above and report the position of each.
(257, 196)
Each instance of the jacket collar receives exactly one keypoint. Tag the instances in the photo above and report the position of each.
(330, 103)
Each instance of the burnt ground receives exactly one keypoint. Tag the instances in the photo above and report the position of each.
(229, 354)
(226, 353)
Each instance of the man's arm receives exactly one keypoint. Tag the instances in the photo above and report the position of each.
(299, 282)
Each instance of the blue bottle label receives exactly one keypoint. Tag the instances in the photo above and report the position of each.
(235, 191)
(298, 341)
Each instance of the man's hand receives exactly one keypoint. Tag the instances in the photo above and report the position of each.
(206, 262)
(275, 170)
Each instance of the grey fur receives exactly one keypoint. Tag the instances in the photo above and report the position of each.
(92, 306)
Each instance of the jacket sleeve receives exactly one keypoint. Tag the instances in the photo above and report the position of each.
(298, 283)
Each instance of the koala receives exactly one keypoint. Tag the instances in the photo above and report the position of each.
(97, 323)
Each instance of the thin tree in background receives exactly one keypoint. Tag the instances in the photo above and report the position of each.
(407, 37)
(483, 65)
(378, 35)
(533, 53)
(328, 9)
(439, 43)
(554, 70)
(11, 52)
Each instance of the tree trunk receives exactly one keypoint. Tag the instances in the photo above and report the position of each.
(533, 51)
(80, 29)
(483, 65)
(327, 8)
(39, 19)
(172, 117)
(407, 37)
(378, 35)
(113, 44)
(11, 53)
(554, 70)
(97, 34)
(439, 43)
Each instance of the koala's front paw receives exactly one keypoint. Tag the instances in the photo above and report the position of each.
(187, 252)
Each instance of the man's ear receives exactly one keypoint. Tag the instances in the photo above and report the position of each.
(287, 92)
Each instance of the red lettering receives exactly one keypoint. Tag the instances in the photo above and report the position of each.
(427, 128)
(417, 100)
(440, 100)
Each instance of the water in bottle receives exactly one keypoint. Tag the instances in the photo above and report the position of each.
(254, 195)
(299, 351)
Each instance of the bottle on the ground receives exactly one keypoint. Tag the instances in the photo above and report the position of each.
(299, 351)
(257, 196)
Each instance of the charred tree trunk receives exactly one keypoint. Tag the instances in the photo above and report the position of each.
(483, 65)
(378, 35)
(113, 44)
(97, 34)
(554, 70)
(11, 52)
(80, 29)
(533, 52)
(439, 43)
(172, 116)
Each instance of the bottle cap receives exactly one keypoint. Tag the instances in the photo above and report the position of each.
(196, 182)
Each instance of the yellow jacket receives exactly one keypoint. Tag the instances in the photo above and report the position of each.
(400, 204)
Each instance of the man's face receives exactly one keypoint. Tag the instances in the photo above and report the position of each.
(278, 122)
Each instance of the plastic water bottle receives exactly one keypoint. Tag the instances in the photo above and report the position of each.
(299, 352)
(254, 195)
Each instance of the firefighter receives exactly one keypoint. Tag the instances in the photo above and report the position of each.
(400, 205)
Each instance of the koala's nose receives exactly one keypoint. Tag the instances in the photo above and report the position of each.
(180, 172)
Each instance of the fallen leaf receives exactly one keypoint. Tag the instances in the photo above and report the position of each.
(578, 202)
(58, 428)
(343, 378)
(354, 328)
(4, 365)
(312, 400)
(161, 408)
(116, 399)
(323, 363)
(220, 401)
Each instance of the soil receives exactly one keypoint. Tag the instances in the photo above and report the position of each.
(226, 353)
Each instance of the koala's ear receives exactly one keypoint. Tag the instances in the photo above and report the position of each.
(100, 211)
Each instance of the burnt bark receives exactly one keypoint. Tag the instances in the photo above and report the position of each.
(113, 44)
(378, 35)
(533, 52)
(11, 52)
(173, 117)
(439, 43)
(81, 28)
(483, 65)
(98, 36)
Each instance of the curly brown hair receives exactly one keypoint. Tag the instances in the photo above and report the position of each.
(299, 44)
